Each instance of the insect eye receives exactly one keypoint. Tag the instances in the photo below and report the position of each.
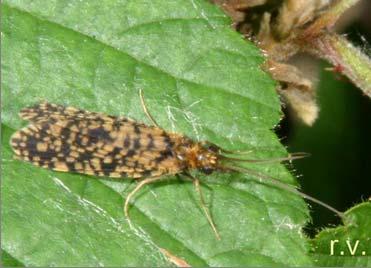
(214, 148)
(207, 170)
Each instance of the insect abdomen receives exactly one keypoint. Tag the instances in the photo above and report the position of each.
(72, 140)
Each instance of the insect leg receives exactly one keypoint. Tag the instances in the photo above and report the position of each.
(136, 189)
(196, 183)
(145, 109)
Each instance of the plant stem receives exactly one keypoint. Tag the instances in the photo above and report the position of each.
(347, 59)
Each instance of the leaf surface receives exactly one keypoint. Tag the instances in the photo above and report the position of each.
(200, 79)
(348, 245)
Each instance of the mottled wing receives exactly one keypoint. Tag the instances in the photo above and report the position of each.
(72, 140)
(49, 112)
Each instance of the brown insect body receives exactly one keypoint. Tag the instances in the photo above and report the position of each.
(72, 140)
(198, 156)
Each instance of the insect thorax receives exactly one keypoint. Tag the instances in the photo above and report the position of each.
(195, 156)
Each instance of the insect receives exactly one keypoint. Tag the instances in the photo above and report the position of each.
(73, 140)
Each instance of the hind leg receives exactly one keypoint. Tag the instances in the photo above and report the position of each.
(132, 193)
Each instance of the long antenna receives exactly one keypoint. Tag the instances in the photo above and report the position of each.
(292, 156)
(283, 186)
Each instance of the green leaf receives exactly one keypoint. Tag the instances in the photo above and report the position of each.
(348, 245)
(200, 79)
(9, 261)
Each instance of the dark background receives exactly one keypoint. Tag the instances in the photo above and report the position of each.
(338, 170)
